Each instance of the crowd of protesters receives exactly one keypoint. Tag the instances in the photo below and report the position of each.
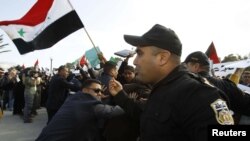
(23, 91)
(160, 99)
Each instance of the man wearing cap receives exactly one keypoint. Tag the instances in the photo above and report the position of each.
(179, 106)
(198, 62)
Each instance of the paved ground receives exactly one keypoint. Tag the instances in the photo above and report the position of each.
(12, 127)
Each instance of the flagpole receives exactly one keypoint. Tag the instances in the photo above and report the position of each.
(91, 40)
(86, 32)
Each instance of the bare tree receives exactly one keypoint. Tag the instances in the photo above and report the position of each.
(2, 45)
(232, 57)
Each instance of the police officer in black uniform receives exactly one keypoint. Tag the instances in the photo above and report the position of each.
(179, 107)
(198, 62)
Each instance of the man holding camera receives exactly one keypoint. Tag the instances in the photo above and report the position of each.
(30, 82)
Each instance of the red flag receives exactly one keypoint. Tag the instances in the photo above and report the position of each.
(45, 24)
(36, 63)
(83, 61)
(212, 54)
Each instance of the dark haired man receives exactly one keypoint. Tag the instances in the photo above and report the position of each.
(109, 72)
(78, 118)
(58, 90)
(180, 106)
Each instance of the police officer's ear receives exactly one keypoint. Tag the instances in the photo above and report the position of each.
(196, 67)
(164, 57)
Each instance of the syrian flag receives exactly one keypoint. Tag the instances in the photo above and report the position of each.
(212, 54)
(46, 23)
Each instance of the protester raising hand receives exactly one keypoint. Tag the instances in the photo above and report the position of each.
(114, 87)
(102, 58)
(12, 74)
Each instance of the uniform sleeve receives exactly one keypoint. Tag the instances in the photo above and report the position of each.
(240, 102)
(201, 109)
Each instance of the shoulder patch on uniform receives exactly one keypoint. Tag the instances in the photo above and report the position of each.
(222, 113)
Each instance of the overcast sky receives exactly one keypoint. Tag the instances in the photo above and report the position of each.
(196, 22)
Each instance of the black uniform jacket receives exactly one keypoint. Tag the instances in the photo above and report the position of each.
(239, 101)
(178, 109)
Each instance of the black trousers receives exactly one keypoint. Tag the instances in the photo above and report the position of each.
(51, 113)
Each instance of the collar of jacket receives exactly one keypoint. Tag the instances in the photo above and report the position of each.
(204, 74)
(175, 74)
